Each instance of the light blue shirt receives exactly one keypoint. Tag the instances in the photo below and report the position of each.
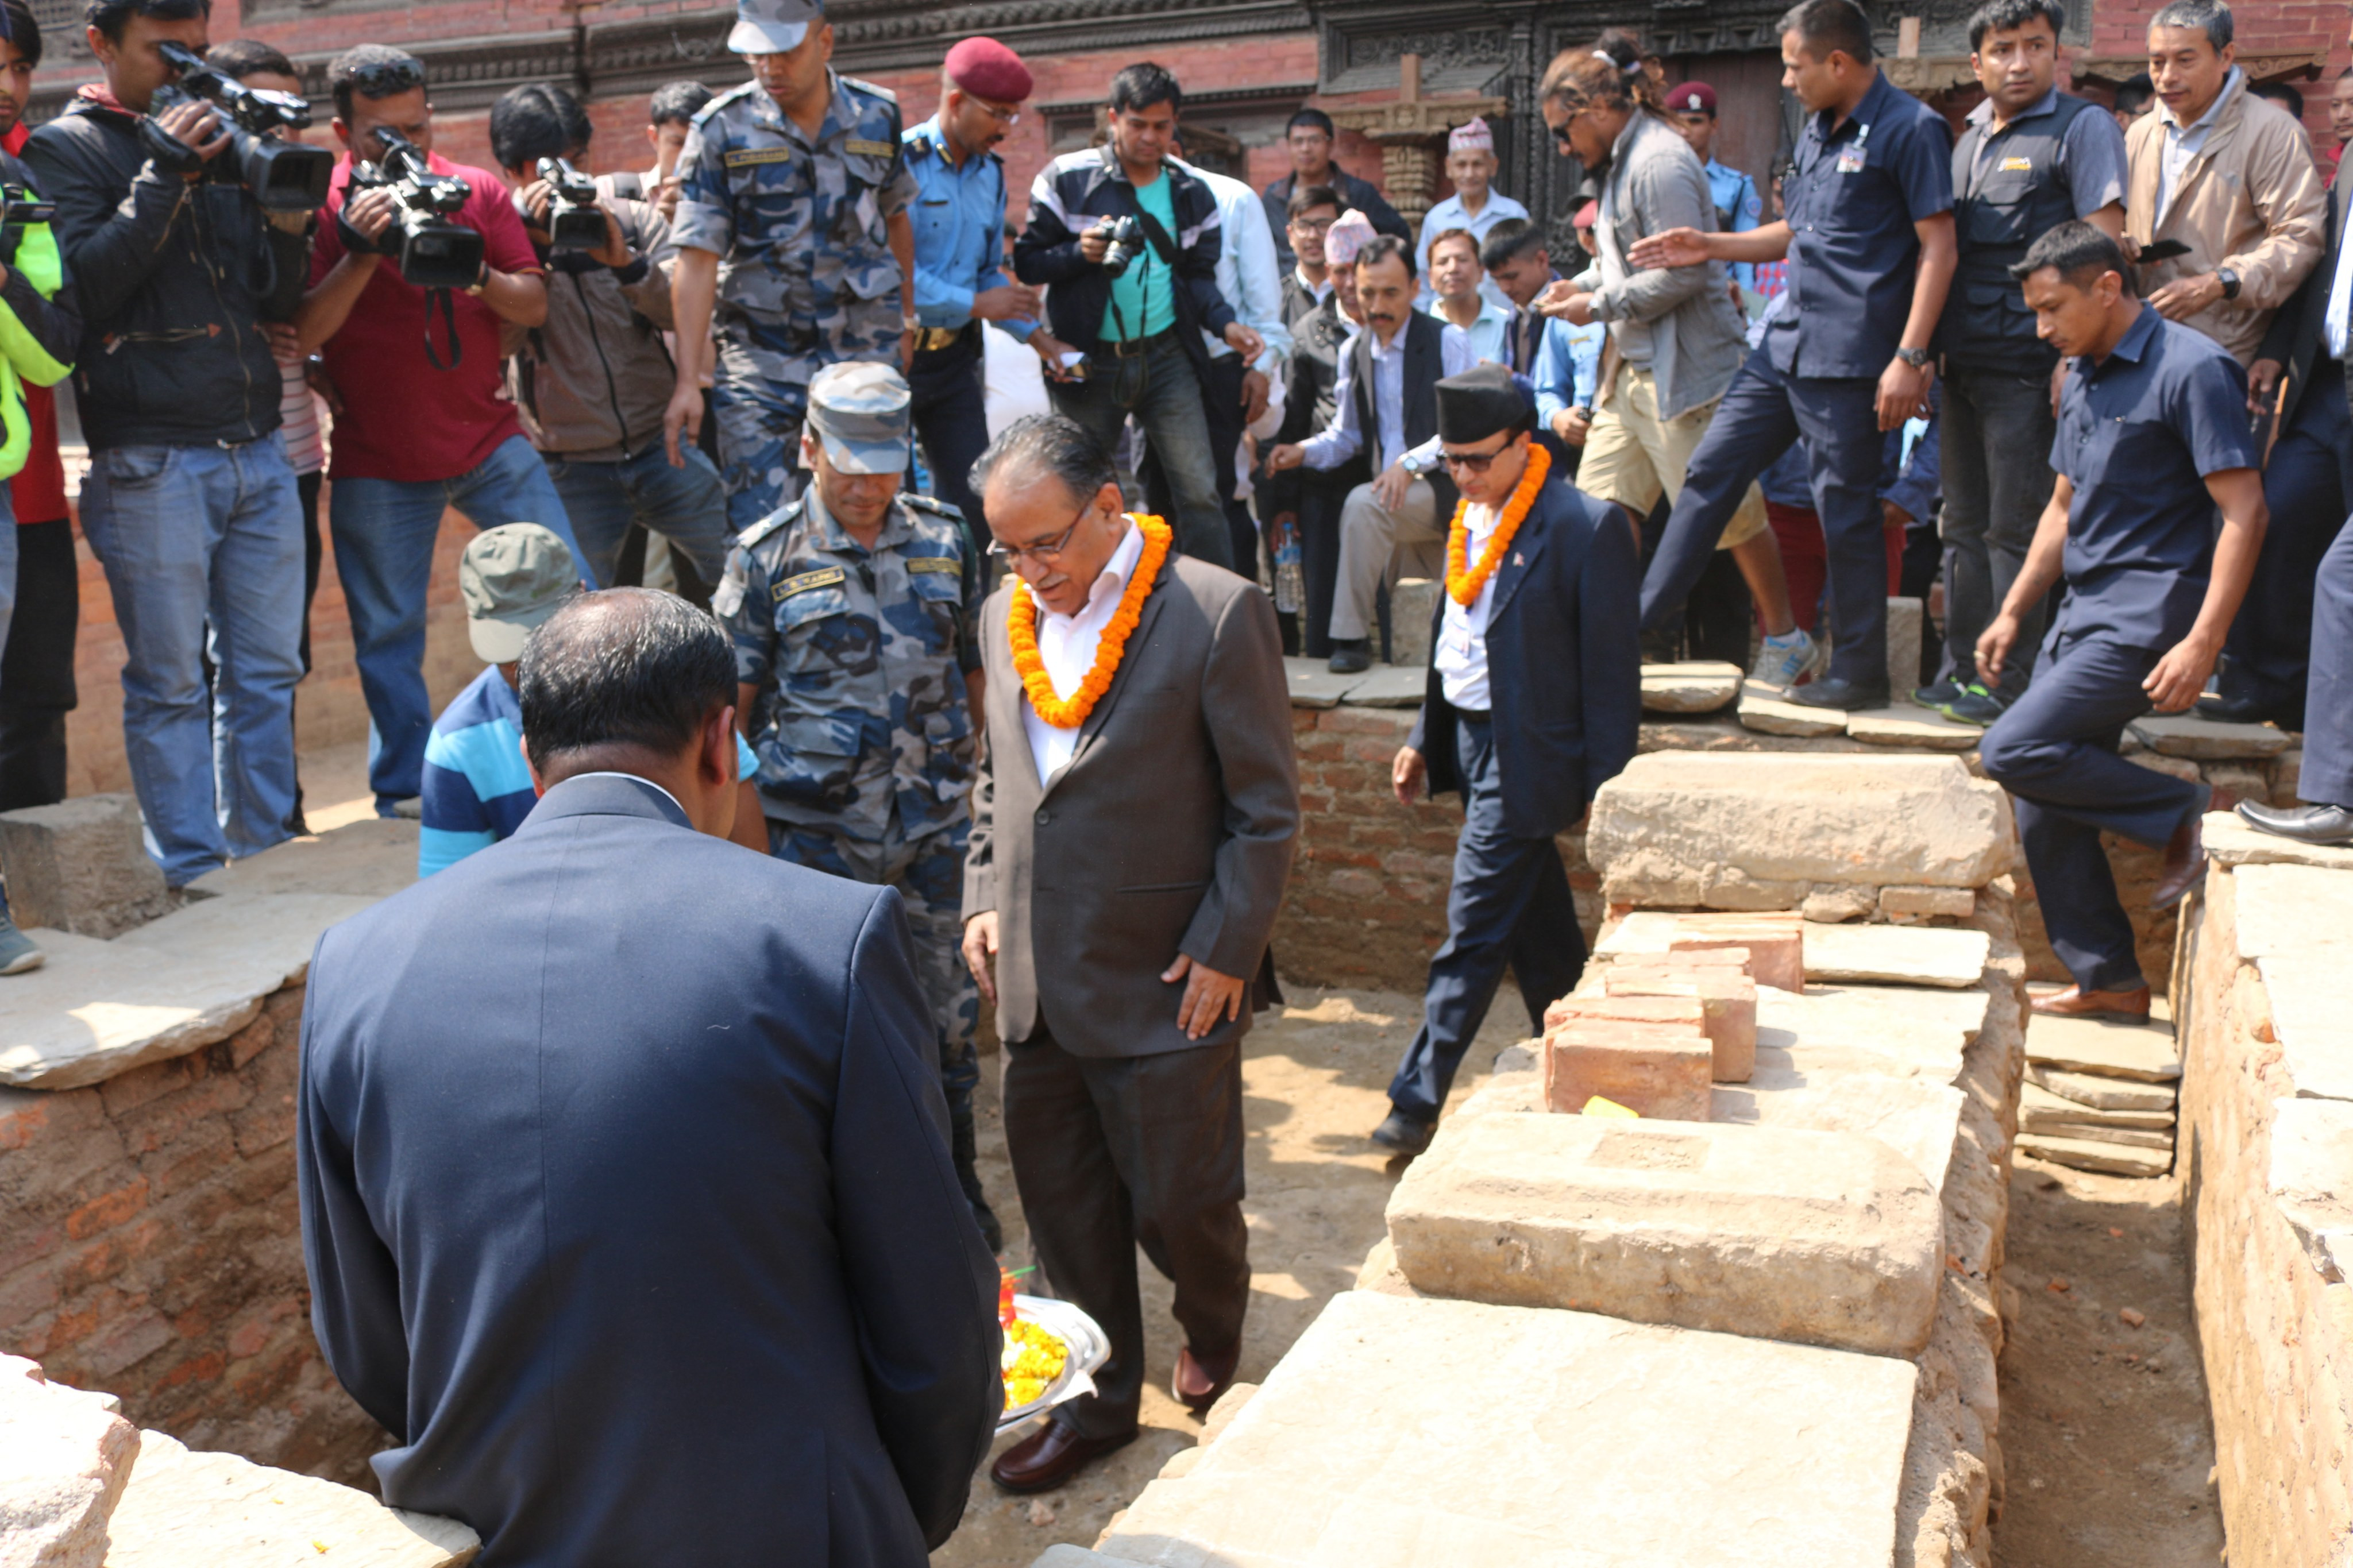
(959, 220)
(1569, 367)
(2185, 142)
(1330, 448)
(1735, 194)
(1452, 214)
(1249, 270)
(1487, 333)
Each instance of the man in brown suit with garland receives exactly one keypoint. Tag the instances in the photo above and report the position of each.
(1131, 831)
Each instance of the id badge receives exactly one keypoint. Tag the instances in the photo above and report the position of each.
(1850, 160)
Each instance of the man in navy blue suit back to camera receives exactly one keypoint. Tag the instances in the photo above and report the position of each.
(624, 1165)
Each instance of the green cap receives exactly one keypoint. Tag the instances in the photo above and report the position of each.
(512, 579)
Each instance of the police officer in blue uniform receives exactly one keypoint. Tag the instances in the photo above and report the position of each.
(1870, 241)
(793, 244)
(1738, 207)
(1533, 702)
(2152, 440)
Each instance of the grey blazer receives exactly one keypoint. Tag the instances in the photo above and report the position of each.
(1170, 829)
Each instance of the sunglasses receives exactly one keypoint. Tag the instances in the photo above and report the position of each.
(1471, 462)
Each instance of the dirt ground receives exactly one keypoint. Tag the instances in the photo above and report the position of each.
(1314, 1076)
(2106, 1434)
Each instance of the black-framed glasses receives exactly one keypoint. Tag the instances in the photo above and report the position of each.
(1471, 462)
(1045, 550)
(1313, 225)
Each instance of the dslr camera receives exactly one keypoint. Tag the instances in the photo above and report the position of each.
(18, 208)
(284, 176)
(432, 252)
(1125, 238)
(575, 221)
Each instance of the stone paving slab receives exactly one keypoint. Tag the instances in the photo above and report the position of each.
(1910, 1030)
(2144, 1053)
(1810, 1236)
(184, 1509)
(1389, 686)
(2040, 1110)
(1952, 957)
(1695, 686)
(65, 1456)
(1312, 684)
(2207, 740)
(1404, 1433)
(1808, 1091)
(2103, 1093)
(375, 858)
(2295, 922)
(1763, 710)
(2231, 842)
(1910, 725)
(2084, 1155)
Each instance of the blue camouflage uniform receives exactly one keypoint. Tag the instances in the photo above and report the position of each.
(806, 274)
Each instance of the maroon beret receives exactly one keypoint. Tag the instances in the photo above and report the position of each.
(1692, 97)
(986, 69)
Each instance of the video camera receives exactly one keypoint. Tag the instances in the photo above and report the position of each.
(432, 252)
(284, 176)
(575, 221)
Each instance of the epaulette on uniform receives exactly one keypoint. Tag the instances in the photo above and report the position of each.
(732, 95)
(932, 504)
(770, 523)
(871, 88)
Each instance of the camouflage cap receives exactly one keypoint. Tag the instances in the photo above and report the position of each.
(512, 579)
(772, 26)
(859, 409)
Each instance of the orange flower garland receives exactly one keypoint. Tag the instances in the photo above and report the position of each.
(1463, 581)
(1021, 631)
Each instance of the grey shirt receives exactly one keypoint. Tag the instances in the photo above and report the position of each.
(2091, 156)
(1678, 321)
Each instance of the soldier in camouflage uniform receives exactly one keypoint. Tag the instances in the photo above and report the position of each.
(795, 242)
(856, 613)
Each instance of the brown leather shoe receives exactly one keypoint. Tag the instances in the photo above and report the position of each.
(1200, 1379)
(1046, 1460)
(2185, 863)
(2113, 1007)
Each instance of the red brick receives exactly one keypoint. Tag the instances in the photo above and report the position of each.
(1652, 1070)
(110, 1209)
(1726, 997)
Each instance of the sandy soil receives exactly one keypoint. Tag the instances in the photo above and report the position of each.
(1312, 1076)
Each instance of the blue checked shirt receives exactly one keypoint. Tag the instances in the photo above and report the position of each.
(959, 216)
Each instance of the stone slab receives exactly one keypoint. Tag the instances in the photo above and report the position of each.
(1389, 686)
(1913, 727)
(2040, 1110)
(2103, 1093)
(1901, 955)
(65, 1456)
(1906, 620)
(2231, 842)
(1312, 684)
(2144, 1053)
(1413, 607)
(1758, 941)
(2296, 922)
(1676, 829)
(1403, 1432)
(1905, 1033)
(2286, 909)
(1824, 1090)
(2102, 1132)
(182, 1509)
(2107, 1159)
(1763, 710)
(80, 866)
(1651, 1069)
(1927, 903)
(1696, 686)
(372, 858)
(1823, 1239)
(2207, 740)
(2311, 1174)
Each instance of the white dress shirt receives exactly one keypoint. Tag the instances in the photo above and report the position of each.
(1341, 440)
(2340, 295)
(1068, 645)
(1462, 653)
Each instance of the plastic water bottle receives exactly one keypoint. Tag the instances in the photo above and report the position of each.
(1290, 584)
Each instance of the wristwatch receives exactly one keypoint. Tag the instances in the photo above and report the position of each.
(911, 323)
(2229, 280)
(1917, 358)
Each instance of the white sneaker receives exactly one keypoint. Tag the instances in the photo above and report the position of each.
(1785, 660)
(18, 951)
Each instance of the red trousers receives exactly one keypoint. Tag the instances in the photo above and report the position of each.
(1805, 558)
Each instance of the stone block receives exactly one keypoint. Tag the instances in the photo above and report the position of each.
(1913, 728)
(1822, 1238)
(1312, 684)
(1907, 619)
(1699, 686)
(2287, 773)
(2103, 1093)
(1896, 955)
(1413, 605)
(1401, 1431)
(1907, 1031)
(1390, 686)
(1675, 826)
(80, 866)
(2208, 739)
(184, 1507)
(2311, 1174)
(1831, 902)
(1765, 710)
(2142, 1052)
(2084, 1155)
(2231, 842)
(1927, 903)
(1653, 1069)
(1827, 1090)
(2041, 1110)
(372, 858)
(65, 1457)
(1727, 1002)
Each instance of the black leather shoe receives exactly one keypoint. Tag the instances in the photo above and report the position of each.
(2242, 708)
(1847, 696)
(1351, 656)
(1403, 1133)
(1043, 1462)
(2323, 824)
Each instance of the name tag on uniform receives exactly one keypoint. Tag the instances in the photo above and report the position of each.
(1850, 160)
(860, 148)
(946, 565)
(2019, 164)
(826, 577)
(743, 157)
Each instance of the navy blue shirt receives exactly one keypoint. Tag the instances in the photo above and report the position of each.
(2138, 433)
(1853, 201)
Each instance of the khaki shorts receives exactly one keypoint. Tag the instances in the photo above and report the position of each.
(1632, 457)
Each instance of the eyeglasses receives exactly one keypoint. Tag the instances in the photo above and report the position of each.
(1045, 550)
(1471, 462)
(1313, 226)
(1008, 117)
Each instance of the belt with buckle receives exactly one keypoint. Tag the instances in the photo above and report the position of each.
(932, 339)
(1136, 348)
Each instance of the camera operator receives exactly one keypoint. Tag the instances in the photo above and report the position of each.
(418, 432)
(593, 380)
(190, 505)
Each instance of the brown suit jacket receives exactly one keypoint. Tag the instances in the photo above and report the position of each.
(1170, 830)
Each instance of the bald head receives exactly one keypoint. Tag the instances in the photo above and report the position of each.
(619, 678)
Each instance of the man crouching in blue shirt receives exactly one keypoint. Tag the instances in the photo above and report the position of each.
(2152, 439)
(477, 788)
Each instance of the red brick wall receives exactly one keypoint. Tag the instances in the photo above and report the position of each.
(152, 1251)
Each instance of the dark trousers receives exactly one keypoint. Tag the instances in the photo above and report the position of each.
(1320, 499)
(1158, 385)
(2327, 776)
(1510, 904)
(1996, 432)
(2055, 752)
(2307, 486)
(1759, 417)
(314, 550)
(952, 422)
(36, 673)
(1221, 405)
(1114, 1152)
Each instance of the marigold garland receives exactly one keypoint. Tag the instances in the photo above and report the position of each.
(1021, 631)
(1462, 584)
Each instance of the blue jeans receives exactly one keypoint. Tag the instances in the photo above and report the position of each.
(686, 506)
(1162, 390)
(384, 531)
(188, 535)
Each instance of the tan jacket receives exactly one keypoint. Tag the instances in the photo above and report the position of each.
(1169, 830)
(2250, 200)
